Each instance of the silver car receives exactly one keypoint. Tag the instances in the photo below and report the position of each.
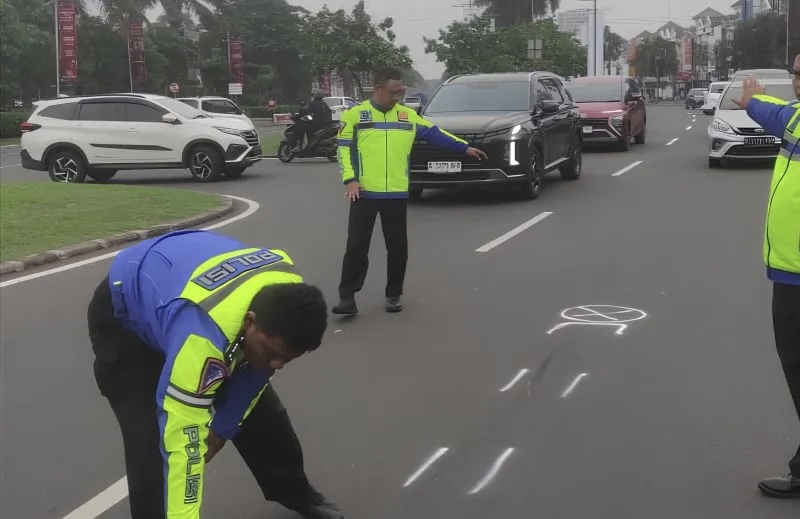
(735, 137)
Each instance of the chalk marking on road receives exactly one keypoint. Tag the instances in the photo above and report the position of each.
(513, 232)
(514, 380)
(688, 127)
(599, 315)
(626, 168)
(574, 384)
(102, 501)
(433, 458)
(10, 166)
(673, 141)
(252, 207)
(493, 471)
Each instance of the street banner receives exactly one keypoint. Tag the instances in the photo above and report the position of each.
(236, 60)
(136, 50)
(68, 49)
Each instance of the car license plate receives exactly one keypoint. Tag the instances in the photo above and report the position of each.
(759, 140)
(587, 129)
(444, 167)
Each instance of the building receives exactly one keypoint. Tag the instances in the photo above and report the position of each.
(575, 21)
(633, 44)
(713, 33)
(582, 24)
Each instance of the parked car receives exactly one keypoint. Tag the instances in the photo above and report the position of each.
(733, 136)
(339, 105)
(97, 136)
(695, 98)
(217, 107)
(524, 121)
(416, 100)
(612, 110)
(712, 98)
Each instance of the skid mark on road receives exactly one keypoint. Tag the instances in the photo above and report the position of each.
(493, 471)
(428, 463)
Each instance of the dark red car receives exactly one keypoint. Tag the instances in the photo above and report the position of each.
(612, 110)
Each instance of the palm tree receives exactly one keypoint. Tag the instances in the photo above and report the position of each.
(517, 12)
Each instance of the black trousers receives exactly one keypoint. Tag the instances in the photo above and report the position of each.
(363, 212)
(786, 323)
(127, 373)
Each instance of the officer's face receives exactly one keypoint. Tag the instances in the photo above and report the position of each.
(265, 352)
(390, 93)
(796, 71)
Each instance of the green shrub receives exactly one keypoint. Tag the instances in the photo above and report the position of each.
(9, 123)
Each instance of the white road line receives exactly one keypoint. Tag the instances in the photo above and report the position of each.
(513, 232)
(425, 466)
(101, 502)
(9, 146)
(626, 168)
(10, 166)
(252, 207)
(574, 384)
(498, 464)
(514, 380)
(673, 141)
(688, 127)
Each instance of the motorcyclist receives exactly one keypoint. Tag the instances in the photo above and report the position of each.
(320, 113)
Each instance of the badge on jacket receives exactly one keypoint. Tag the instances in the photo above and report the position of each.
(402, 116)
(214, 370)
(365, 116)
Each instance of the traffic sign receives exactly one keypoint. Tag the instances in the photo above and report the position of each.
(173, 87)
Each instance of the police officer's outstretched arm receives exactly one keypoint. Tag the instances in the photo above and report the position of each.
(771, 113)
(348, 153)
(443, 139)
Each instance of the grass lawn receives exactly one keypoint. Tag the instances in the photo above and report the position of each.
(270, 141)
(39, 216)
(13, 140)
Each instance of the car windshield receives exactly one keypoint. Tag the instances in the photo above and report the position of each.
(221, 106)
(596, 91)
(783, 90)
(481, 97)
(717, 89)
(180, 108)
(697, 91)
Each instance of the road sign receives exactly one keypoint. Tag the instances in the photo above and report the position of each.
(234, 89)
(271, 103)
(173, 87)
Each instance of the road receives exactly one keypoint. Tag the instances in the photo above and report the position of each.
(464, 406)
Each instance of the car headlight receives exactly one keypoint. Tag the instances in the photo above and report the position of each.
(229, 131)
(721, 127)
(516, 129)
(616, 121)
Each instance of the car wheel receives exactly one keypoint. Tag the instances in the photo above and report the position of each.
(573, 169)
(234, 172)
(533, 187)
(714, 162)
(642, 136)
(285, 152)
(66, 167)
(625, 144)
(101, 176)
(415, 193)
(205, 163)
(332, 158)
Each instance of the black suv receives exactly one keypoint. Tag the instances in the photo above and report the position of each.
(526, 123)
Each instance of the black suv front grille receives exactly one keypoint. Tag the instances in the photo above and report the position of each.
(251, 137)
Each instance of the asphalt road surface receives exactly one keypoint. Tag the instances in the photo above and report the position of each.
(464, 406)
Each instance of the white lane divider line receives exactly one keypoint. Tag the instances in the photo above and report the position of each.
(102, 501)
(573, 385)
(513, 232)
(673, 141)
(493, 471)
(10, 166)
(514, 380)
(626, 168)
(433, 458)
(688, 127)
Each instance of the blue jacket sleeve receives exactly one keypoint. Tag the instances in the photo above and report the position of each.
(235, 398)
(438, 137)
(771, 113)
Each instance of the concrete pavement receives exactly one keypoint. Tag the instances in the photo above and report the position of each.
(463, 406)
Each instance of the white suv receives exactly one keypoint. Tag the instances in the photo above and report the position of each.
(217, 107)
(97, 136)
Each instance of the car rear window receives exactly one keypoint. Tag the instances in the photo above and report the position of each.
(596, 91)
(717, 89)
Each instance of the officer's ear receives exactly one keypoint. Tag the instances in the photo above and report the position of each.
(249, 320)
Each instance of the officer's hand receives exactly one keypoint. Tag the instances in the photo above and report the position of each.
(352, 191)
(750, 87)
(215, 444)
(477, 154)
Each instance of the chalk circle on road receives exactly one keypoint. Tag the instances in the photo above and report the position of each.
(599, 315)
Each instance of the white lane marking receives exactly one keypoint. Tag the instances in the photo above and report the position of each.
(498, 464)
(441, 451)
(574, 384)
(688, 127)
(252, 207)
(514, 380)
(101, 502)
(673, 141)
(513, 232)
(626, 168)
(10, 166)
(9, 146)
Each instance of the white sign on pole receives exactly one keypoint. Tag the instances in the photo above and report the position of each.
(173, 87)
(234, 89)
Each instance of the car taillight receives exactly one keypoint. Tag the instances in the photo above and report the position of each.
(29, 127)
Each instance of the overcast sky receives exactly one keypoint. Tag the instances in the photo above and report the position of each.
(424, 17)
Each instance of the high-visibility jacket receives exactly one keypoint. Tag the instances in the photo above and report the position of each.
(782, 230)
(375, 144)
(185, 294)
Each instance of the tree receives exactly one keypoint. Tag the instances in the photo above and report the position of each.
(760, 43)
(517, 12)
(656, 57)
(472, 47)
(614, 45)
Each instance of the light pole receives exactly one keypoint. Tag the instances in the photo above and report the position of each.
(58, 49)
(593, 41)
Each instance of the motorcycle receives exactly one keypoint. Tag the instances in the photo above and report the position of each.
(322, 143)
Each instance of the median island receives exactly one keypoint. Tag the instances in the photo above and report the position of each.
(40, 216)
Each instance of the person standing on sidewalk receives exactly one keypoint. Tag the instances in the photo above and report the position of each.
(375, 141)
(781, 253)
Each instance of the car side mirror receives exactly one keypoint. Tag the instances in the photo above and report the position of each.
(170, 118)
(550, 106)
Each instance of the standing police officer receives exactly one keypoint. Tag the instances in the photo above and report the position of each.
(781, 241)
(375, 141)
(187, 330)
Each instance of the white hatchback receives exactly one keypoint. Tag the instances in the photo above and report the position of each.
(715, 91)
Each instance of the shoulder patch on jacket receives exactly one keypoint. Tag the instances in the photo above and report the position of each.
(214, 370)
(365, 116)
(402, 116)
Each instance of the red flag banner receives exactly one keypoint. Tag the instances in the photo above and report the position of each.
(68, 48)
(136, 50)
(236, 60)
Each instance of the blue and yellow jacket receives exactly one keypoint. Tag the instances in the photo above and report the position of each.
(185, 294)
(375, 144)
(782, 231)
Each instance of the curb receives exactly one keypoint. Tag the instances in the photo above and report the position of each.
(70, 251)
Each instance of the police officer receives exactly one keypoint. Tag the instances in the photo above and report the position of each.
(781, 253)
(375, 141)
(187, 330)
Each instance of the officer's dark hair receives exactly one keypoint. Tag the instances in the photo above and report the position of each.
(387, 74)
(295, 312)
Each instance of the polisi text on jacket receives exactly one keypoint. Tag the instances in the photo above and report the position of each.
(231, 268)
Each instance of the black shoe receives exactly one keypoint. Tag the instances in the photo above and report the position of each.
(346, 306)
(319, 508)
(786, 487)
(394, 305)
